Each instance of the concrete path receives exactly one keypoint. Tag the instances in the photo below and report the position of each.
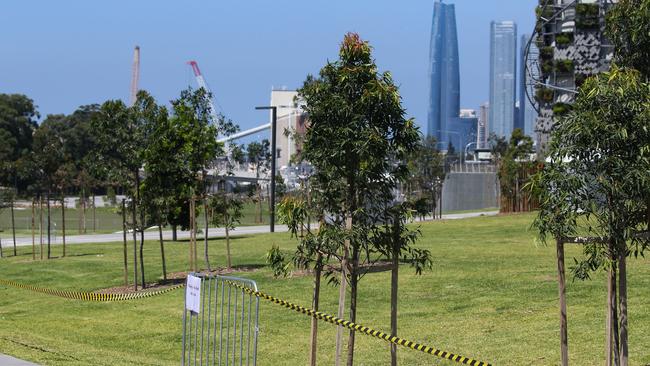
(10, 361)
(213, 232)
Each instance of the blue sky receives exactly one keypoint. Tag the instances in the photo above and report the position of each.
(72, 52)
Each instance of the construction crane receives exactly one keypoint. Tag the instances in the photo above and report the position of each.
(202, 84)
(135, 75)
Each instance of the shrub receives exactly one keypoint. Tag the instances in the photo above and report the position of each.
(564, 39)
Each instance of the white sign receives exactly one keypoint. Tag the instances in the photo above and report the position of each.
(193, 294)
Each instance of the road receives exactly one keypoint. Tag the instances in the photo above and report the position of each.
(152, 234)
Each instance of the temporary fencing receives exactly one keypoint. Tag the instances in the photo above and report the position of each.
(220, 321)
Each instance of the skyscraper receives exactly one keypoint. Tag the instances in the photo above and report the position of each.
(503, 70)
(527, 113)
(483, 127)
(444, 77)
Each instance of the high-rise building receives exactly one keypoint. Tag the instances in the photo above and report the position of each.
(503, 70)
(570, 46)
(482, 128)
(444, 76)
(527, 113)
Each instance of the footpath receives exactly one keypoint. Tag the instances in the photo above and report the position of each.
(184, 235)
(11, 361)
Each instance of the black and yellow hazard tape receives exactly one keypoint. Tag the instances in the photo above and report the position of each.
(89, 296)
(363, 329)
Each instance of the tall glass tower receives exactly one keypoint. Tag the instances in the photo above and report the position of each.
(503, 71)
(444, 77)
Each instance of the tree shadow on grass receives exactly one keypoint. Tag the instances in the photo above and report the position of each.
(210, 238)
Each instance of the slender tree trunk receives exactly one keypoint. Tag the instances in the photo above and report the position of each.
(205, 235)
(192, 233)
(63, 220)
(126, 266)
(83, 202)
(342, 291)
(313, 345)
(49, 225)
(40, 223)
(622, 301)
(135, 243)
(195, 248)
(611, 344)
(162, 252)
(33, 229)
(13, 224)
(174, 233)
(564, 346)
(80, 213)
(228, 246)
(142, 226)
(94, 214)
(259, 203)
(354, 289)
(393, 289)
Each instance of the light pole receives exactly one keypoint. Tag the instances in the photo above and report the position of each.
(274, 122)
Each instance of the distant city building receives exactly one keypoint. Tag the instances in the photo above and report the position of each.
(503, 69)
(444, 77)
(482, 129)
(570, 46)
(526, 113)
(464, 129)
(290, 117)
(467, 113)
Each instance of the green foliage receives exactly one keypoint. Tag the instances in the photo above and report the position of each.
(17, 125)
(227, 209)
(564, 66)
(276, 259)
(358, 138)
(596, 182)
(560, 109)
(628, 28)
(280, 186)
(587, 16)
(511, 157)
(547, 67)
(427, 172)
(546, 52)
(544, 95)
(564, 39)
(544, 11)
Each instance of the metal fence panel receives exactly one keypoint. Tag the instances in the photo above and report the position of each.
(224, 331)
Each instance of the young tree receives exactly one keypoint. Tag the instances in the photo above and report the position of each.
(427, 171)
(596, 181)
(120, 144)
(512, 158)
(227, 210)
(259, 155)
(357, 141)
(191, 112)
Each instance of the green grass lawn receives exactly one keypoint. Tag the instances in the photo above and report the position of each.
(492, 295)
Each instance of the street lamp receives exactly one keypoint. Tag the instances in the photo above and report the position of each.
(274, 122)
